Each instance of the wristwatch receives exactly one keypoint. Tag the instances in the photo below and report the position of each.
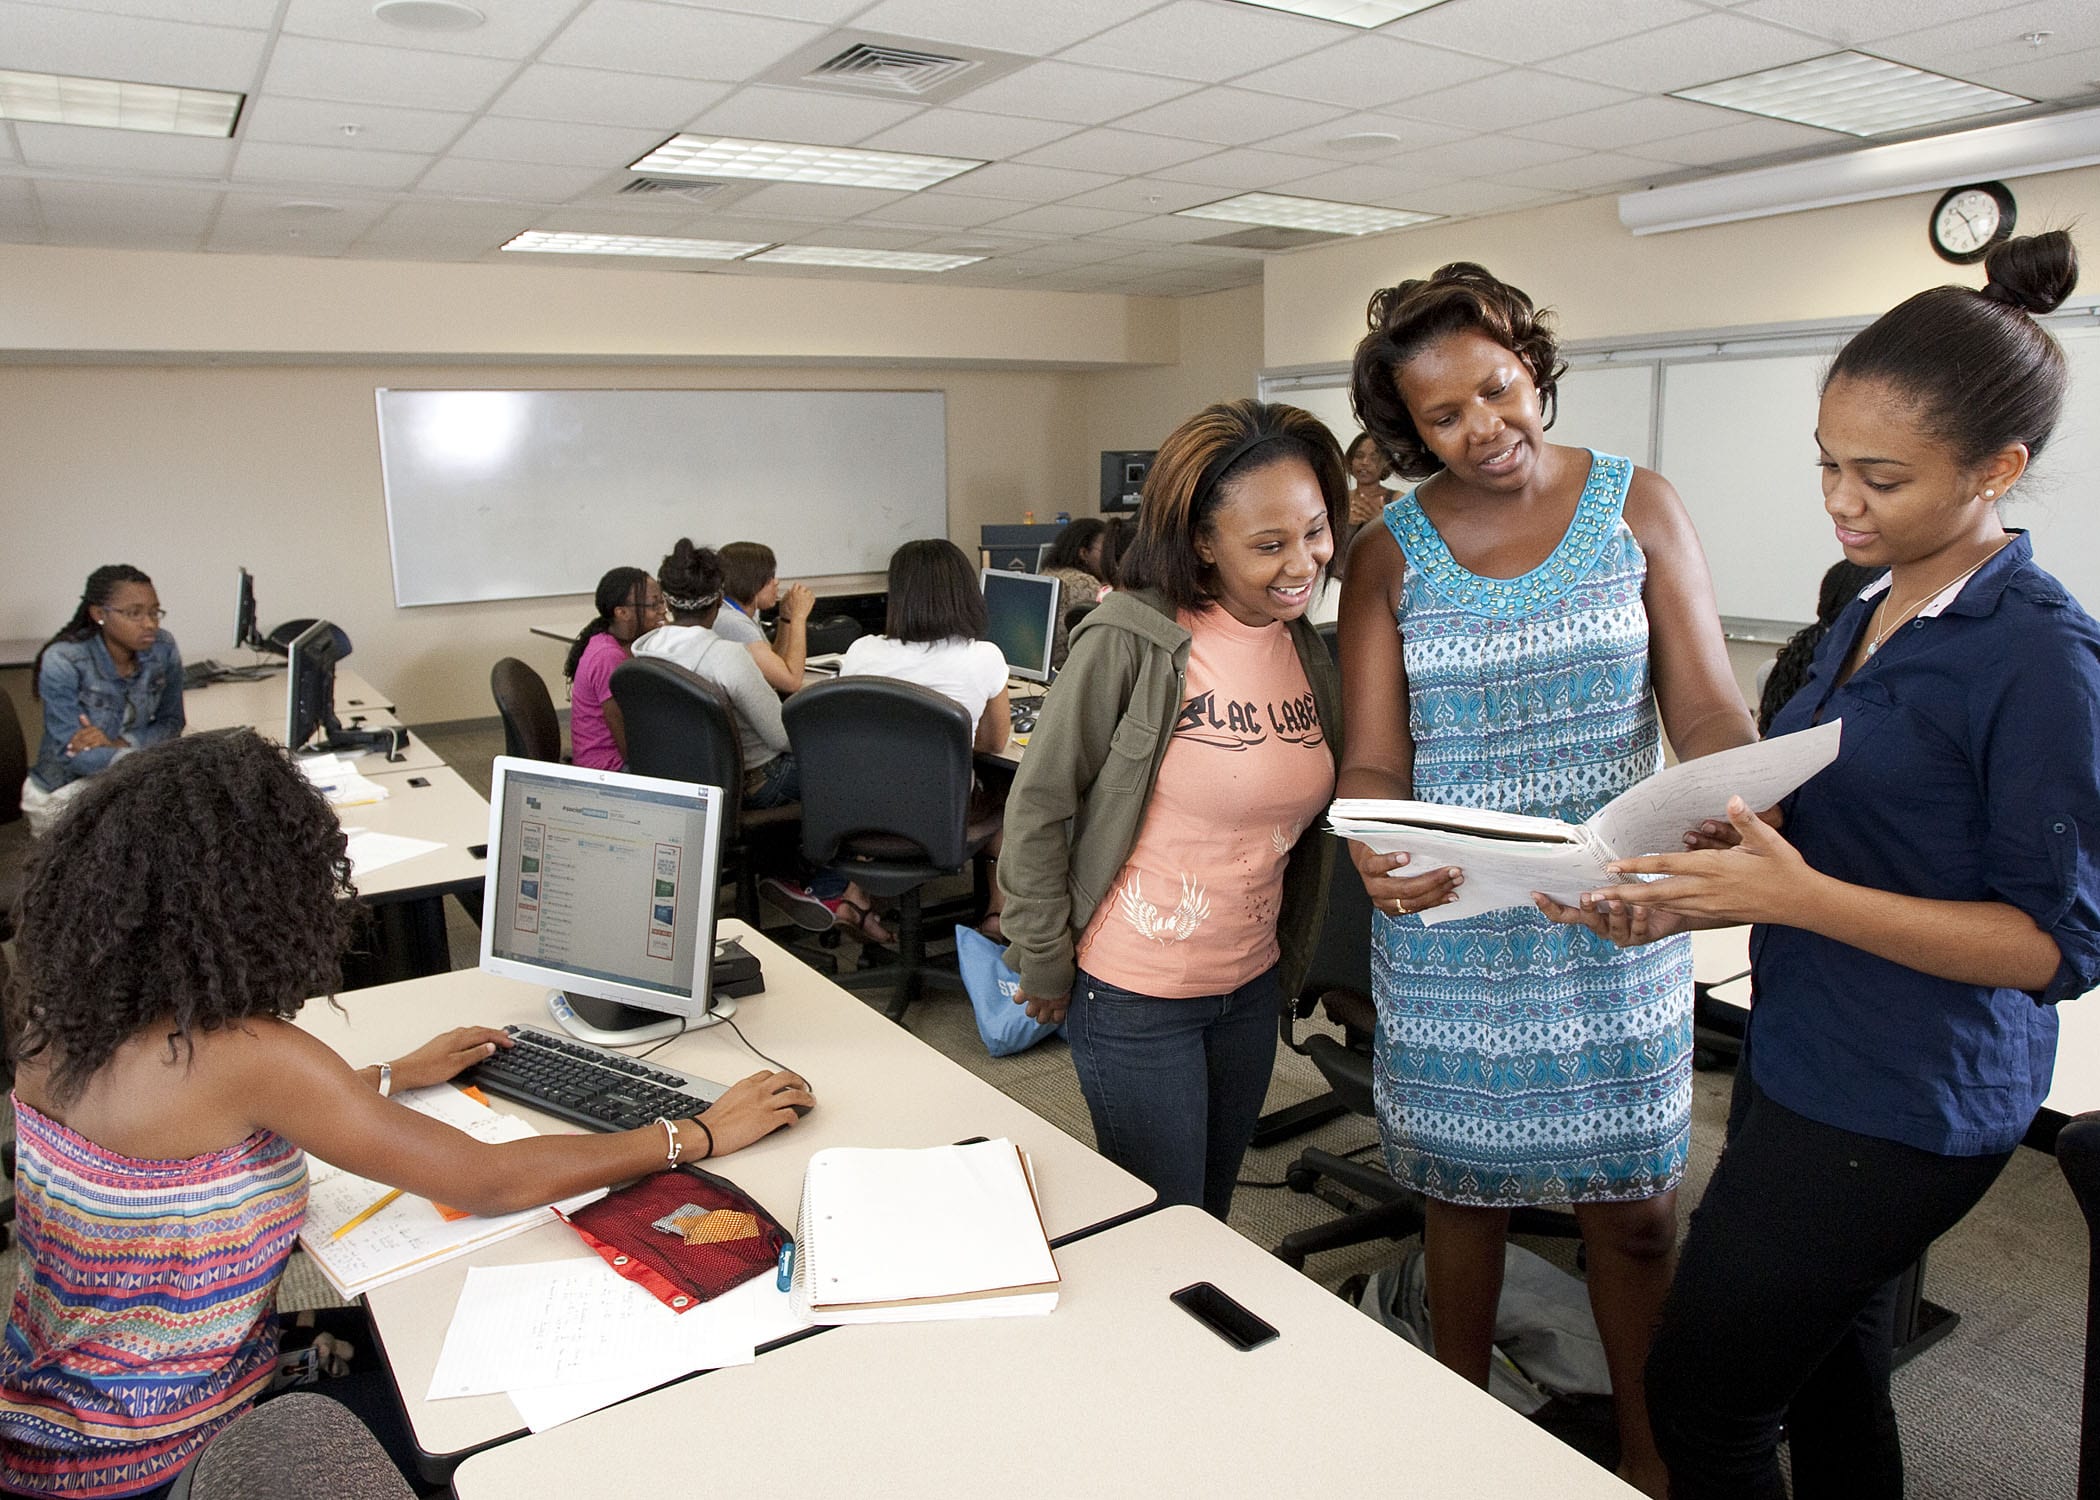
(386, 1080)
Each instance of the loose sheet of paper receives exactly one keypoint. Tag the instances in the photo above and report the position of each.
(1652, 817)
(371, 851)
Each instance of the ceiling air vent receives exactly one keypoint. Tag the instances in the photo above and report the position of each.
(894, 70)
(683, 187)
(1273, 239)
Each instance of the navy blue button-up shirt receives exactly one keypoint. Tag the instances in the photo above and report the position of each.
(1969, 771)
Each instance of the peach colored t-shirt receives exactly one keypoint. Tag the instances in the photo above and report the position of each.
(1247, 770)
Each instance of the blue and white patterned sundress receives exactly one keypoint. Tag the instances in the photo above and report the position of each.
(1520, 1061)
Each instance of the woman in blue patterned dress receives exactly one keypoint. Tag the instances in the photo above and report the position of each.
(1549, 600)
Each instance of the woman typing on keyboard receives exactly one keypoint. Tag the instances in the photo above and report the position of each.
(171, 928)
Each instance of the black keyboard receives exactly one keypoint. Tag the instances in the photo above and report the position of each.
(589, 1085)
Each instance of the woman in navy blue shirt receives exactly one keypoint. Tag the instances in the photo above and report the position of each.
(1923, 906)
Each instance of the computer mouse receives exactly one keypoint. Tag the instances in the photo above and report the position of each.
(801, 1109)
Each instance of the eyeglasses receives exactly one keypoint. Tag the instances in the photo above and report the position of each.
(649, 607)
(138, 614)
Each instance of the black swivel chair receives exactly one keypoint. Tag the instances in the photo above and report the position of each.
(681, 727)
(886, 801)
(831, 634)
(291, 630)
(530, 728)
(2078, 1153)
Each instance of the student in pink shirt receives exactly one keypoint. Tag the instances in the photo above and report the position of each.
(1162, 871)
(629, 605)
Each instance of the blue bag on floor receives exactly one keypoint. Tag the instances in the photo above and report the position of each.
(1006, 1027)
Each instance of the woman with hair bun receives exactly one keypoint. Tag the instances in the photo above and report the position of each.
(1551, 603)
(1160, 890)
(1926, 902)
(110, 682)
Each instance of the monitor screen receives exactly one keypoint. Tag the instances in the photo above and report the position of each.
(309, 684)
(1021, 620)
(243, 610)
(602, 884)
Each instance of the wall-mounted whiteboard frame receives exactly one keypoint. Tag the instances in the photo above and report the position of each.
(518, 494)
(1728, 416)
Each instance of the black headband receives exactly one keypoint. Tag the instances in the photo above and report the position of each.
(1214, 471)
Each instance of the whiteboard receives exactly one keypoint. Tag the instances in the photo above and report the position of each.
(522, 494)
(2056, 498)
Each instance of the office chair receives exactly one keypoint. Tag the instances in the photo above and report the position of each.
(1077, 613)
(832, 634)
(291, 630)
(14, 828)
(681, 727)
(295, 1444)
(2078, 1154)
(530, 728)
(886, 801)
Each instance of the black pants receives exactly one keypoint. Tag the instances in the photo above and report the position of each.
(1782, 1313)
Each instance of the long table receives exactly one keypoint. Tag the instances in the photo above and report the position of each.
(876, 1085)
(1116, 1393)
(260, 701)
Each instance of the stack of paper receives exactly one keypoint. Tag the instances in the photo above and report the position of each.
(900, 1235)
(408, 1233)
(339, 782)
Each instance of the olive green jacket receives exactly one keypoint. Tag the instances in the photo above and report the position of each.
(1079, 797)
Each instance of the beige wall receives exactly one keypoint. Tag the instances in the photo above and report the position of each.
(1220, 346)
(1603, 282)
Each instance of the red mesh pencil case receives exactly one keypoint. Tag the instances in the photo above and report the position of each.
(686, 1235)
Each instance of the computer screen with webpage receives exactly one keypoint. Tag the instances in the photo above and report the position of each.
(603, 884)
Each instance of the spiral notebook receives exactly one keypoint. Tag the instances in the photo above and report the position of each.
(889, 1235)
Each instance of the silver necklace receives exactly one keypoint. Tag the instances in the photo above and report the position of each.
(1960, 578)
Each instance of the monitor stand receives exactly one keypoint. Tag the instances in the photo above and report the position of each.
(609, 1023)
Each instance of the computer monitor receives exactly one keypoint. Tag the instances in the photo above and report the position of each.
(246, 635)
(309, 695)
(1021, 620)
(602, 885)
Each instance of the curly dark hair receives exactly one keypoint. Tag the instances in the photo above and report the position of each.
(1405, 319)
(192, 885)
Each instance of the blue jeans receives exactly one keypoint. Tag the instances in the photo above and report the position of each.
(1175, 1086)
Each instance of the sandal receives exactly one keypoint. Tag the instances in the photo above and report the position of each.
(992, 927)
(860, 919)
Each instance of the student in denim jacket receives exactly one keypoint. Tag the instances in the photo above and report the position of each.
(110, 682)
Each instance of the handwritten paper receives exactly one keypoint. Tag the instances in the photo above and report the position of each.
(371, 851)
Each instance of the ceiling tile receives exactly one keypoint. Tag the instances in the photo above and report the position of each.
(99, 213)
(45, 39)
(18, 206)
(1485, 156)
(1244, 171)
(463, 178)
(1601, 171)
(1170, 228)
(947, 210)
(804, 200)
(550, 143)
(1524, 31)
(1858, 21)
(1076, 252)
(258, 226)
(958, 132)
(259, 14)
(452, 227)
(2060, 75)
(1630, 124)
(632, 36)
(1476, 198)
(1204, 40)
(593, 96)
(1010, 180)
(513, 28)
(1367, 71)
(133, 151)
(1704, 50)
(1384, 187)
(858, 237)
(1994, 39)
(1033, 30)
(314, 122)
(810, 116)
(1063, 91)
(1115, 151)
(1318, 140)
(260, 161)
(830, 12)
(1503, 100)
(1230, 117)
(303, 68)
(1145, 195)
(1058, 219)
(1747, 140)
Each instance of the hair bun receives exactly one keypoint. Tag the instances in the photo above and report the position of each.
(2034, 273)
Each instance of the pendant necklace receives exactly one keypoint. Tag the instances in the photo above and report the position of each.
(1960, 578)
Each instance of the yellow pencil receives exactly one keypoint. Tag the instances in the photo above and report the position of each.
(358, 1219)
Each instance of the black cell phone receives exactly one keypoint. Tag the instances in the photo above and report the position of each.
(419, 781)
(479, 851)
(1223, 1316)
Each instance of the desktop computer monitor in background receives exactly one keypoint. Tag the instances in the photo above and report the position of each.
(247, 636)
(1021, 620)
(309, 691)
(602, 885)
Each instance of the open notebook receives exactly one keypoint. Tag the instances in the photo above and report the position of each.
(889, 1235)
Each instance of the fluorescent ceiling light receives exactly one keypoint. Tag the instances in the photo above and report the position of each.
(873, 260)
(783, 161)
(1306, 213)
(57, 99)
(2017, 148)
(553, 243)
(1855, 93)
(1364, 13)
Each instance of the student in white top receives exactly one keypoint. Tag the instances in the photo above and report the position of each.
(933, 636)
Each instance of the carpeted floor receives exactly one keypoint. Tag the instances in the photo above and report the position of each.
(1992, 1410)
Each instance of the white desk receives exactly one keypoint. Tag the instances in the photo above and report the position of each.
(876, 1085)
(260, 703)
(446, 809)
(1720, 955)
(1116, 1393)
